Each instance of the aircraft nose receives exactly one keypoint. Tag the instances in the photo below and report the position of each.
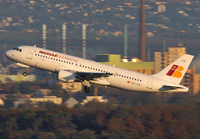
(9, 53)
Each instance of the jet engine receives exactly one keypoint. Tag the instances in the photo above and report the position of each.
(66, 76)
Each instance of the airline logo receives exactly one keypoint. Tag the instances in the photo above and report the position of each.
(175, 71)
(58, 56)
(49, 54)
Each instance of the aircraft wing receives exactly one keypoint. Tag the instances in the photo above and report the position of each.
(91, 75)
(94, 77)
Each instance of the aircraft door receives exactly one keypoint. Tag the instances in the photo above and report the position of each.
(150, 83)
(30, 54)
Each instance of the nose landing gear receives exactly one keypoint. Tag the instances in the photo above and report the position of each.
(25, 73)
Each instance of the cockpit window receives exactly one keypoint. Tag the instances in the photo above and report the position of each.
(17, 49)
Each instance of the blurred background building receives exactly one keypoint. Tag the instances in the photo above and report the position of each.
(163, 59)
(134, 64)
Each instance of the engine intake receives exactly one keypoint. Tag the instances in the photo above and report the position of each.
(66, 76)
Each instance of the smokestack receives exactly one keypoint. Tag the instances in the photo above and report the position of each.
(64, 37)
(84, 40)
(142, 32)
(44, 31)
(125, 41)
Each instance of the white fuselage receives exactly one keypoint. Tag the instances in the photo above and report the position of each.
(121, 78)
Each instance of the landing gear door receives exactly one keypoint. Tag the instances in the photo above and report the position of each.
(30, 54)
(150, 83)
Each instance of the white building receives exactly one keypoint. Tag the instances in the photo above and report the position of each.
(35, 101)
(71, 102)
(92, 98)
(1, 102)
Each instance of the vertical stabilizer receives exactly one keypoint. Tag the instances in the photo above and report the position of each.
(176, 70)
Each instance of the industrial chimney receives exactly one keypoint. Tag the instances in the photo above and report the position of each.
(142, 32)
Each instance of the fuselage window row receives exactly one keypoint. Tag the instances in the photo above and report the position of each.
(87, 67)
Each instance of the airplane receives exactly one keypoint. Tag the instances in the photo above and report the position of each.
(74, 69)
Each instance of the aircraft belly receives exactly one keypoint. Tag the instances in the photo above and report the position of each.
(125, 84)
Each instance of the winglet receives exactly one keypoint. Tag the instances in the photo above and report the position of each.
(176, 70)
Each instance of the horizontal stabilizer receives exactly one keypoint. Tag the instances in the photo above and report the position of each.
(168, 87)
(181, 88)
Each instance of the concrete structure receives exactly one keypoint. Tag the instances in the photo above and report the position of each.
(35, 101)
(161, 8)
(1, 102)
(16, 78)
(135, 64)
(44, 35)
(84, 40)
(43, 92)
(71, 102)
(192, 80)
(142, 32)
(163, 59)
(92, 98)
(64, 28)
(72, 87)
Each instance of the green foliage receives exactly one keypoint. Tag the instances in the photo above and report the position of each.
(101, 121)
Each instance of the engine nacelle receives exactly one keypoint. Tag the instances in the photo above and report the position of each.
(66, 76)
